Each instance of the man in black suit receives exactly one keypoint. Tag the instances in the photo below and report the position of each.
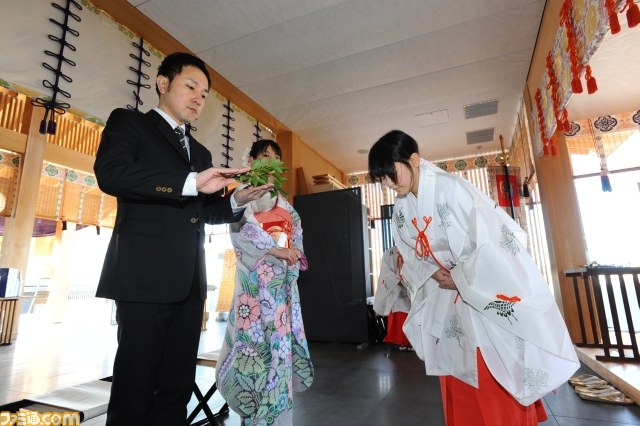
(154, 268)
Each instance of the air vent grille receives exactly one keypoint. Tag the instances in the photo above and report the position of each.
(479, 136)
(481, 109)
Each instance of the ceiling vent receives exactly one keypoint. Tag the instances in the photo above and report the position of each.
(481, 109)
(479, 136)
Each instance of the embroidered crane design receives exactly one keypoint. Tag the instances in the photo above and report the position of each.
(504, 306)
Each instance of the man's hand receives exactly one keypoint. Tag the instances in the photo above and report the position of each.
(214, 179)
(251, 193)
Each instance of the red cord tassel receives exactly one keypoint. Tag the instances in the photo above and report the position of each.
(566, 124)
(576, 84)
(614, 23)
(592, 85)
(553, 142)
(633, 14)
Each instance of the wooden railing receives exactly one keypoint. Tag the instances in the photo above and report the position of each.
(12, 111)
(72, 132)
(608, 299)
(7, 318)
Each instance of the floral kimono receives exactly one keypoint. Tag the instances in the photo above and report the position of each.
(503, 306)
(265, 356)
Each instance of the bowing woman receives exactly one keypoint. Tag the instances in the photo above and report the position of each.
(482, 316)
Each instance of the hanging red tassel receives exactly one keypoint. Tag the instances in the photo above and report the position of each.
(633, 14)
(565, 119)
(592, 86)
(553, 142)
(576, 84)
(614, 23)
(566, 19)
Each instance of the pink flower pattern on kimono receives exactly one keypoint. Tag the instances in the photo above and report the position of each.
(247, 311)
(268, 304)
(266, 272)
(282, 321)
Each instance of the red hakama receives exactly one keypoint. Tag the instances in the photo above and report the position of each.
(488, 405)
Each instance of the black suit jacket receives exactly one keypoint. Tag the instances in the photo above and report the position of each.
(158, 236)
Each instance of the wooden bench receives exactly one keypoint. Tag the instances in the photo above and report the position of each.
(89, 400)
(207, 359)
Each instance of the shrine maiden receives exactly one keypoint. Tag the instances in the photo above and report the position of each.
(482, 316)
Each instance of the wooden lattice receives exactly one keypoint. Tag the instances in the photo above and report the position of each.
(49, 196)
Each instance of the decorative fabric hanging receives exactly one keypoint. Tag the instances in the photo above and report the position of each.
(604, 171)
(543, 137)
(566, 19)
(561, 116)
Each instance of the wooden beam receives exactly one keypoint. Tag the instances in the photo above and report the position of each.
(12, 141)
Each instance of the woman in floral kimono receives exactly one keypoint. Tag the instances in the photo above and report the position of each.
(265, 357)
(391, 298)
(482, 316)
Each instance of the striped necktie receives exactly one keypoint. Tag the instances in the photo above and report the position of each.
(183, 141)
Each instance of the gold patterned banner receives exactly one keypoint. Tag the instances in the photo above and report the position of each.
(583, 26)
(455, 165)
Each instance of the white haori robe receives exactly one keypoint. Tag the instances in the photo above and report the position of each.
(504, 306)
(391, 295)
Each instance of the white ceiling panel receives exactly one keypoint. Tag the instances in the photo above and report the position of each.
(341, 73)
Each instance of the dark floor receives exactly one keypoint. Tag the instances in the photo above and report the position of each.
(379, 385)
(375, 385)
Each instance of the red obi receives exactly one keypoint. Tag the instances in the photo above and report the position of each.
(277, 223)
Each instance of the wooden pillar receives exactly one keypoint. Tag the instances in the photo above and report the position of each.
(567, 247)
(19, 227)
(63, 260)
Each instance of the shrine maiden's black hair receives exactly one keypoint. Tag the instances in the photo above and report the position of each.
(394, 147)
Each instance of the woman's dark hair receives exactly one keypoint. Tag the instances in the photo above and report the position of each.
(395, 146)
(261, 145)
(173, 64)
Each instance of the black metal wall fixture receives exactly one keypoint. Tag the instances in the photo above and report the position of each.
(256, 133)
(139, 74)
(227, 135)
(52, 106)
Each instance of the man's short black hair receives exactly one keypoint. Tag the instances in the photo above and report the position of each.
(173, 64)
